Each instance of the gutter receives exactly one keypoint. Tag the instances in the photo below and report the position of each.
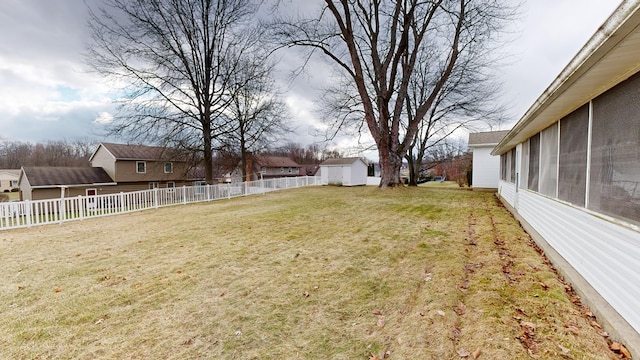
(605, 39)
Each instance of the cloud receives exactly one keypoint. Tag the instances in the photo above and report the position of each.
(103, 118)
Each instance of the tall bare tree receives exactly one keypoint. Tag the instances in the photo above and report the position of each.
(377, 44)
(258, 116)
(174, 61)
(469, 100)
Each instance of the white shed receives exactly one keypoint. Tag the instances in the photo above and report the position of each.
(486, 167)
(344, 172)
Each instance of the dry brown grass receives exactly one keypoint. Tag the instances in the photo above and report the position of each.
(316, 273)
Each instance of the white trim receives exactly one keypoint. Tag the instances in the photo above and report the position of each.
(145, 166)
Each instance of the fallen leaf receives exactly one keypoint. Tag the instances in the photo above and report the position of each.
(305, 294)
(440, 312)
(380, 322)
(476, 354)
(387, 354)
(57, 289)
(596, 325)
(374, 357)
(461, 308)
(544, 286)
(463, 353)
(238, 333)
(377, 312)
(620, 349)
(564, 349)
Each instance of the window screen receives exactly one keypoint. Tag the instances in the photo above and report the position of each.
(534, 161)
(503, 166)
(572, 165)
(524, 165)
(615, 152)
(549, 160)
(512, 165)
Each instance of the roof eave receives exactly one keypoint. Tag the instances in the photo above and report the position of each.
(587, 75)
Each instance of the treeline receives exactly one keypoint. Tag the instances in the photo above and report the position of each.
(15, 154)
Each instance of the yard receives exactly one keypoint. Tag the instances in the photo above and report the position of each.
(312, 273)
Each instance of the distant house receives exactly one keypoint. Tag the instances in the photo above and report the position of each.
(570, 173)
(37, 183)
(344, 171)
(486, 167)
(269, 167)
(140, 167)
(8, 179)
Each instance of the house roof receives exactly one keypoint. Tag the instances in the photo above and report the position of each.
(275, 161)
(140, 152)
(10, 172)
(41, 176)
(341, 161)
(486, 138)
(607, 59)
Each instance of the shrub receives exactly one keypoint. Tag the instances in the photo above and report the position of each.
(4, 197)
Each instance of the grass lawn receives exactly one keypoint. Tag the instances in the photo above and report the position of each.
(314, 273)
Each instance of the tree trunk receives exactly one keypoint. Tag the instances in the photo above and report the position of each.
(208, 152)
(390, 164)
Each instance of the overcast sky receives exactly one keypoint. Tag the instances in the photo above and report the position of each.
(46, 94)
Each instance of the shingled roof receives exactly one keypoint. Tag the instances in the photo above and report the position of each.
(487, 137)
(141, 152)
(275, 161)
(41, 176)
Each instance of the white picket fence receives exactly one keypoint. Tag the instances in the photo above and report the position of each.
(51, 211)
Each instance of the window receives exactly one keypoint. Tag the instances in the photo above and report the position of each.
(263, 170)
(524, 165)
(171, 186)
(200, 183)
(154, 185)
(614, 183)
(141, 167)
(534, 162)
(512, 165)
(168, 168)
(503, 167)
(14, 183)
(549, 161)
(572, 163)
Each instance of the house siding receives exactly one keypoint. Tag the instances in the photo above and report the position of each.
(103, 158)
(602, 251)
(486, 169)
(126, 172)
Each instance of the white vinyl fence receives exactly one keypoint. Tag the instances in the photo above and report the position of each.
(20, 214)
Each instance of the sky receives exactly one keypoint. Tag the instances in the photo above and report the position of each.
(46, 92)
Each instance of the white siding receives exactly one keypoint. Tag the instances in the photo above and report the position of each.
(605, 253)
(486, 168)
(508, 192)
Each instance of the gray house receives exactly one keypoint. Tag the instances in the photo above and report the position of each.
(570, 172)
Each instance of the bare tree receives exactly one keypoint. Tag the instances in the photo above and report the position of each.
(467, 100)
(377, 45)
(175, 62)
(258, 116)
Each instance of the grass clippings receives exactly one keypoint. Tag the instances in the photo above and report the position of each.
(315, 273)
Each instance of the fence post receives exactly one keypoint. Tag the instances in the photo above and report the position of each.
(184, 194)
(80, 207)
(155, 198)
(208, 190)
(122, 205)
(245, 187)
(27, 212)
(228, 191)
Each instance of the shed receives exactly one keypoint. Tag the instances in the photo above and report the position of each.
(344, 172)
(486, 167)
